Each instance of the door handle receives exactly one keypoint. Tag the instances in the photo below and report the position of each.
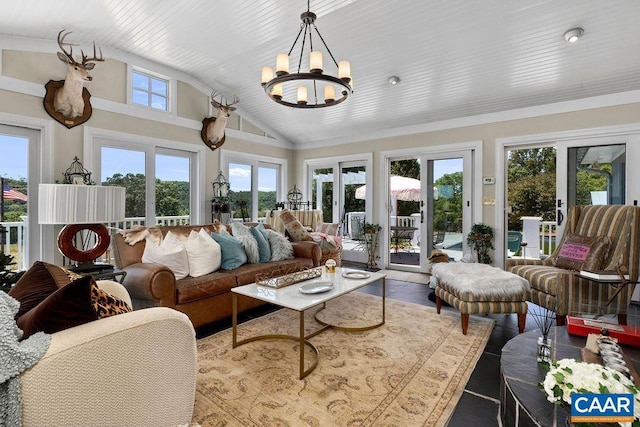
(421, 217)
(560, 217)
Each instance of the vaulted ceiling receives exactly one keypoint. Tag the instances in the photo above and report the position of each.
(455, 58)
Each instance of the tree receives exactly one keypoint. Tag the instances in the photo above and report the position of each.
(448, 208)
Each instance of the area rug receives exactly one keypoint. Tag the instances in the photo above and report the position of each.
(409, 372)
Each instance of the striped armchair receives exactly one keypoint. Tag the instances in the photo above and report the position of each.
(562, 290)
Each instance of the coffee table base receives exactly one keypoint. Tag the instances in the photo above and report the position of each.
(301, 338)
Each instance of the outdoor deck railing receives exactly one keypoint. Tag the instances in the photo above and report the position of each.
(16, 241)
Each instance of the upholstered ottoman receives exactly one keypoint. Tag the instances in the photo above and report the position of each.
(480, 288)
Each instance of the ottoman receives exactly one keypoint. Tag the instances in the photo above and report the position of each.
(476, 288)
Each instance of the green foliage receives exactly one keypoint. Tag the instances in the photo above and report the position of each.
(480, 239)
(533, 195)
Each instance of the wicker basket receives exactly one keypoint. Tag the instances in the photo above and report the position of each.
(334, 255)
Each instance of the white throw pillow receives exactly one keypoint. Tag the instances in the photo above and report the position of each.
(249, 243)
(170, 253)
(203, 253)
(281, 248)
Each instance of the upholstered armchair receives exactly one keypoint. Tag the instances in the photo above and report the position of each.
(133, 369)
(563, 290)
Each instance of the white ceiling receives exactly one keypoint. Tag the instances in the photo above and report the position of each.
(455, 58)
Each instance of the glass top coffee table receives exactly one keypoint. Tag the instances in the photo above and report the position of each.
(295, 298)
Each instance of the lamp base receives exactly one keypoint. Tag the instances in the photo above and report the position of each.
(72, 233)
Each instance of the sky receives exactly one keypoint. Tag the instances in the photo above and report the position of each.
(13, 162)
(168, 168)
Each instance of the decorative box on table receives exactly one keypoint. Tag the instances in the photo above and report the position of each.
(625, 334)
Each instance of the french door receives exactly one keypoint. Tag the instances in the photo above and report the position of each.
(430, 206)
(544, 181)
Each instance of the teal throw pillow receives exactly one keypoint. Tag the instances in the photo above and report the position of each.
(233, 254)
(264, 250)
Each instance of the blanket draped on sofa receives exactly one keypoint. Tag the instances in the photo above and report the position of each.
(15, 357)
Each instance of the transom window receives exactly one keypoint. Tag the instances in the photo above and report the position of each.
(149, 91)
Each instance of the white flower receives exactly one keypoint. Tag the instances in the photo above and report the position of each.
(568, 376)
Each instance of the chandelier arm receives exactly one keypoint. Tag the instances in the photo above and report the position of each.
(304, 39)
(315, 91)
(296, 40)
(325, 45)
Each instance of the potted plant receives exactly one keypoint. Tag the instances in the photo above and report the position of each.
(480, 238)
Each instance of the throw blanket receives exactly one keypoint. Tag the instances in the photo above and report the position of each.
(15, 357)
(140, 233)
(327, 242)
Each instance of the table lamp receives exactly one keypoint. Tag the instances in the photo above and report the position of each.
(83, 210)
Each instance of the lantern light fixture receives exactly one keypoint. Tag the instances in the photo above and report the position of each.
(315, 88)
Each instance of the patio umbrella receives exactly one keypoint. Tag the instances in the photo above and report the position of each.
(401, 188)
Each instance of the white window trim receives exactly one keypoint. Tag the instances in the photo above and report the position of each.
(228, 156)
(94, 139)
(172, 89)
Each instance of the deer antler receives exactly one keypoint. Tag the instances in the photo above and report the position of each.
(222, 103)
(94, 57)
(62, 43)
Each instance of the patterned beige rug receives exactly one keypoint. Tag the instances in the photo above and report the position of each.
(409, 372)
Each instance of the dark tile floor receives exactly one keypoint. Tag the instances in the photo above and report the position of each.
(480, 402)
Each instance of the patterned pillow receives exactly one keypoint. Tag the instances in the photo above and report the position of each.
(105, 304)
(294, 227)
(330, 228)
(583, 252)
(69, 306)
(37, 283)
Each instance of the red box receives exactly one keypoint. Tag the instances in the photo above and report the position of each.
(625, 334)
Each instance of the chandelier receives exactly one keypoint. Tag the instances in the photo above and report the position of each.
(310, 83)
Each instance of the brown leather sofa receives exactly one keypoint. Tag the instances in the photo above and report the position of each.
(204, 299)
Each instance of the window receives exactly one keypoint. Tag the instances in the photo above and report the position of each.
(149, 91)
(254, 181)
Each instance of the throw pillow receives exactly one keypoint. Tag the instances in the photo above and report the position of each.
(264, 250)
(105, 304)
(203, 253)
(79, 302)
(37, 283)
(583, 252)
(294, 227)
(233, 254)
(67, 307)
(281, 248)
(249, 243)
(330, 228)
(170, 253)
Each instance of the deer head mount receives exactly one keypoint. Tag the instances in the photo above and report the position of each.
(67, 100)
(213, 127)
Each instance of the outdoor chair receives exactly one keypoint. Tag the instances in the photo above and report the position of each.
(514, 242)
(561, 289)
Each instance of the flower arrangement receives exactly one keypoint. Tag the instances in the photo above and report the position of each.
(568, 376)
(480, 238)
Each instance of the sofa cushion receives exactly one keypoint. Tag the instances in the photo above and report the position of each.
(170, 252)
(233, 254)
(249, 243)
(296, 230)
(330, 228)
(583, 252)
(79, 302)
(264, 249)
(281, 248)
(541, 277)
(203, 253)
(37, 283)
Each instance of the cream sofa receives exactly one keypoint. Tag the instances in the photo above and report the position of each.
(133, 369)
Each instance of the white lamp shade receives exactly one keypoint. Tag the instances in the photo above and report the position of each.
(277, 90)
(302, 94)
(315, 61)
(267, 74)
(344, 70)
(282, 63)
(80, 204)
(329, 93)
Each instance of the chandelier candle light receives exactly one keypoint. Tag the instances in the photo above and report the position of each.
(274, 85)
